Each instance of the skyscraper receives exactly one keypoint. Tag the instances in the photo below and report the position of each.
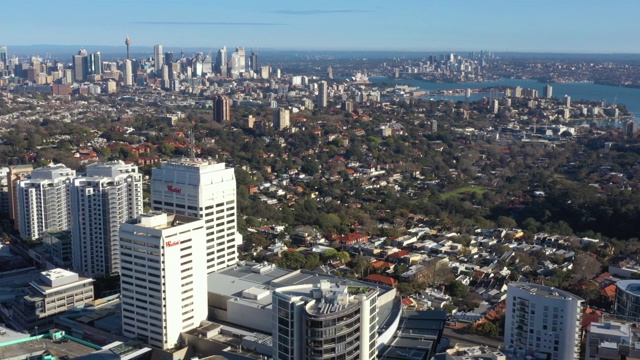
(80, 65)
(221, 62)
(203, 189)
(322, 94)
(16, 173)
(253, 62)
(107, 196)
(330, 73)
(4, 57)
(128, 73)
(95, 64)
(543, 320)
(242, 55)
(158, 58)
(238, 62)
(44, 201)
(281, 119)
(222, 109)
(163, 292)
(547, 91)
(168, 58)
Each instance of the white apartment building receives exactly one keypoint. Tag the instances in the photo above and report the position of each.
(43, 201)
(107, 196)
(325, 321)
(543, 320)
(206, 190)
(163, 287)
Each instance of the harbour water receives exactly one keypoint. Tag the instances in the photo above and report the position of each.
(578, 91)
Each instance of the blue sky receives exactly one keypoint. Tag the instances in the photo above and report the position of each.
(593, 26)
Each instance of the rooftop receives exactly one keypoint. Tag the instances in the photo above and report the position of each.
(160, 220)
(610, 328)
(417, 336)
(630, 286)
(546, 291)
(39, 344)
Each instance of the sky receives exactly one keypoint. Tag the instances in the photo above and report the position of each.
(565, 26)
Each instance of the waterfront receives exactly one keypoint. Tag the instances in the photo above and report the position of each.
(630, 97)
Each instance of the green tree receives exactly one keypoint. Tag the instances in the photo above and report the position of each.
(405, 288)
(457, 289)
(506, 222)
(329, 222)
(329, 255)
(312, 261)
(361, 265)
(343, 256)
(292, 260)
(256, 241)
(487, 328)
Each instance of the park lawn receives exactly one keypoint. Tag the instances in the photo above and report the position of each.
(464, 190)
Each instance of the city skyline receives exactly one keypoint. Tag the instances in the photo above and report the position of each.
(517, 26)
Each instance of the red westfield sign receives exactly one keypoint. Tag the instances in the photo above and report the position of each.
(172, 243)
(174, 189)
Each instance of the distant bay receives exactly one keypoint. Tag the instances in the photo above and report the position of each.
(630, 97)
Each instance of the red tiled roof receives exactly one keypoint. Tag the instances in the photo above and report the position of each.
(380, 264)
(381, 279)
(399, 254)
(608, 291)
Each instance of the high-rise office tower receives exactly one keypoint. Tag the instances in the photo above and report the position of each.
(158, 58)
(168, 58)
(265, 72)
(128, 73)
(222, 109)
(16, 173)
(242, 56)
(543, 320)
(203, 189)
(163, 290)
(80, 65)
(4, 57)
(330, 73)
(567, 101)
(44, 201)
(322, 94)
(547, 91)
(238, 62)
(127, 42)
(95, 64)
(281, 119)
(107, 196)
(518, 92)
(253, 61)
(221, 62)
(165, 76)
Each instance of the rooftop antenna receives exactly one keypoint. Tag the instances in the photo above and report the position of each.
(192, 145)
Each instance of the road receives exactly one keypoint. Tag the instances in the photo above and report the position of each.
(467, 338)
